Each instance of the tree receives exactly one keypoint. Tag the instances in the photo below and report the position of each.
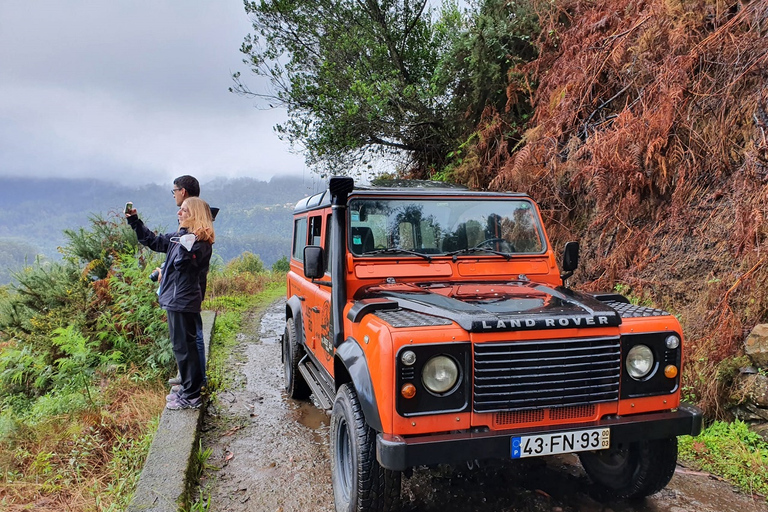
(359, 78)
(497, 38)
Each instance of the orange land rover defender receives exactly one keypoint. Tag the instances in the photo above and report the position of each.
(435, 324)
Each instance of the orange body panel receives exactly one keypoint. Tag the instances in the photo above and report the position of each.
(380, 341)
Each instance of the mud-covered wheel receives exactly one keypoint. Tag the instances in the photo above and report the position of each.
(636, 470)
(359, 482)
(295, 385)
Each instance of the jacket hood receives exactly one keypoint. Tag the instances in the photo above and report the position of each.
(502, 306)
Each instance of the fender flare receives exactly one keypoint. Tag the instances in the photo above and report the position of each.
(293, 310)
(352, 357)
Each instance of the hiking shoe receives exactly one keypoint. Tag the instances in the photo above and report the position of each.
(174, 394)
(184, 403)
(175, 381)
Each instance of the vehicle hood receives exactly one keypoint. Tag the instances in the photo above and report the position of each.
(503, 306)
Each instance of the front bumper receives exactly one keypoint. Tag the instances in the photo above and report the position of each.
(399, 453)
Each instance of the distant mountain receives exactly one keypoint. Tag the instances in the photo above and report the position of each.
(255, 215)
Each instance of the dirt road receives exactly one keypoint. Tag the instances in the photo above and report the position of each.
(270, 454)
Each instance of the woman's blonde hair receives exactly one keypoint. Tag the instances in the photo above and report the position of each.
(200, 221)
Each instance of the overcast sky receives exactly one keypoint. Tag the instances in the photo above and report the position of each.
(133, 91)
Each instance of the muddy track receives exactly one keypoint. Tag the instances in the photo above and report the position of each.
(270, 454)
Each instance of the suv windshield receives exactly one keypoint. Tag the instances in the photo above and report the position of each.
(440, 226)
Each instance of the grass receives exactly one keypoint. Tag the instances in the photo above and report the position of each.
(83, 461)
(732, 451)
(90, 459)
(230, 311)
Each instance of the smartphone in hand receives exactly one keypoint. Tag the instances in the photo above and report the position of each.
(128, 207)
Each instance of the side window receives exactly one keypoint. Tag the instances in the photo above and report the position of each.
(327, 246)
(299, 238)
(315, 228)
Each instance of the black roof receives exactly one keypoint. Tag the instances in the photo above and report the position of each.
(401, 188)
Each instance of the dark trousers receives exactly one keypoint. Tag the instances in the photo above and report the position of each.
(183, 330)
(201, 344)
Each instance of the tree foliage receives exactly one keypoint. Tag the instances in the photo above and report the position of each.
(490, 86)
(358, 78)
(362, 79)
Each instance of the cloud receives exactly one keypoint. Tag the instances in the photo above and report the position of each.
(130, 91)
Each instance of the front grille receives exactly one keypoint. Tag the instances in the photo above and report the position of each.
(522, 375)
(577, 412)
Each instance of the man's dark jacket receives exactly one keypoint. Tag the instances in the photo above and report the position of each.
(180, 284)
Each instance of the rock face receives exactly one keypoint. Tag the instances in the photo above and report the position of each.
(756, 345)
(751, 388)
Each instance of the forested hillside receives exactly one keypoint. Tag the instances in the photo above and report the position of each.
(255, 215)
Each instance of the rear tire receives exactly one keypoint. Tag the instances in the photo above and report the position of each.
(360, 484)
(295, 385)
(636, 470)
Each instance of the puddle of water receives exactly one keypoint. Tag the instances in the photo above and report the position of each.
(313, 418)
(272, 325)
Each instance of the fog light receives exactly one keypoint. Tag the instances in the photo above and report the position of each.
(408, 390)
(670, 371)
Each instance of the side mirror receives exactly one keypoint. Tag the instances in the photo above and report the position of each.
(313, 262)
(570, 259)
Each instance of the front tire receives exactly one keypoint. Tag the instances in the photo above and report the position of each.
(360, 484)
(295, 385)
(634, 471)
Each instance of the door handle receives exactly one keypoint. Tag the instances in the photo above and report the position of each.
(315, 309)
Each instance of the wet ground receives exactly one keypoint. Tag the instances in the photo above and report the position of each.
(270, 454)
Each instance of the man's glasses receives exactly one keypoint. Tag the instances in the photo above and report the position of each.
(173, 191)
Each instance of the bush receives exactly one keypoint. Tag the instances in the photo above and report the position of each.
(282, 265)
(246, 262)
(82, 346)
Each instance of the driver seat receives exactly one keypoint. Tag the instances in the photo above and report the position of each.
(362, 240)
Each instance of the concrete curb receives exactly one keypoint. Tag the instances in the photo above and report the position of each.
(169, 470)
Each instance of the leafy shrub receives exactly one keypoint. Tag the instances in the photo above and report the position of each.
(78, 338)
(130, 319)
(246, 262)
(281, 265)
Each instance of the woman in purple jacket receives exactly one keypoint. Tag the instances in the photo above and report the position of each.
(189, 254)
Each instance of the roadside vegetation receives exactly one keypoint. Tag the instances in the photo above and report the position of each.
(639, 127)
(84, 355)
(731, 451)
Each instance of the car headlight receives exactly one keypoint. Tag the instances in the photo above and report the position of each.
(440, 374)
(639, 361)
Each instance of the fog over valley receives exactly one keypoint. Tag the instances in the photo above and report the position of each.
(255, 215)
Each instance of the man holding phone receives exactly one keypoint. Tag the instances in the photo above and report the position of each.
(183, 187)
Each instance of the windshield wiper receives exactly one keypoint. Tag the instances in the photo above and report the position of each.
(397, 250)
(479, 247)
